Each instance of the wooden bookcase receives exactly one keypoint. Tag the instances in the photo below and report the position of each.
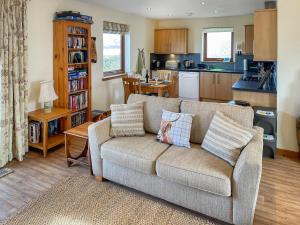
(71, 54)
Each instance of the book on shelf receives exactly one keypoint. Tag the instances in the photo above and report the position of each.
(78, 85)
(34, 132)
(76, 42)
(77, 57)
(77, 73)
(78, 118)
(78, 101)
(77, 30)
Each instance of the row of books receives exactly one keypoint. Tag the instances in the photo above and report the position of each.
(76, 42)
(76, 30)
(77, 85)
(78, 102)
(78, 119)
(35, 130)
(77, 57)
(77, 73)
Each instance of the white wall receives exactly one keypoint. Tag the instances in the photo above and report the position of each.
(288, 97)
(40, 53)
(196, 27)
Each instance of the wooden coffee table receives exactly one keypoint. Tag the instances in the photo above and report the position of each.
(81, 132)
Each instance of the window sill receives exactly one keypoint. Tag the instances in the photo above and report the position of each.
(114, 76)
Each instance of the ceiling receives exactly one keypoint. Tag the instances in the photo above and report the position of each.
(170, 9)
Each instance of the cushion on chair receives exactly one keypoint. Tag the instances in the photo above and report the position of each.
(153, 109)
(204, 112)
(137, 153)
(195, 168)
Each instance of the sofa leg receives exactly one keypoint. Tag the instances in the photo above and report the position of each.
(99, 178)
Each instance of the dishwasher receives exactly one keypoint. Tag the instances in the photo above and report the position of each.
(189, 85)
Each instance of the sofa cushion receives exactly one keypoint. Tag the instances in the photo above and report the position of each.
(153, 107)
(127, 119)
(137, 153)
(175, 128)
(195, 168)
(225, 138)
(204, 112)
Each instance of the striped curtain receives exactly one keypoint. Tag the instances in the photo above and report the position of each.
(115, 28)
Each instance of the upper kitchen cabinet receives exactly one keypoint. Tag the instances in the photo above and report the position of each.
(171, 41)
(249, 38)
(265, 35)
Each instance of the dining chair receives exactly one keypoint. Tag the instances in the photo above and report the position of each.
(174, 86)
(131, 86)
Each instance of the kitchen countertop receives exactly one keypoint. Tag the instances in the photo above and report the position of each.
(233, 71)
(251, 86)
(241, 85)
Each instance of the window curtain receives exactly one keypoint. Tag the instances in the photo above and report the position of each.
(13, 83)
(115, 28)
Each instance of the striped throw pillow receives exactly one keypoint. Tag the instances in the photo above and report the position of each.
(225, 138)
(127, 120)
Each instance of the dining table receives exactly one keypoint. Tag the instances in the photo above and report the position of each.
(159, 88)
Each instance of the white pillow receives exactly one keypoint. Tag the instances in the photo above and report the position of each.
(127, 120)
(225, 138)
(175, 128)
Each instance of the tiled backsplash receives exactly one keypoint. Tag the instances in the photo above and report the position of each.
(196, 57)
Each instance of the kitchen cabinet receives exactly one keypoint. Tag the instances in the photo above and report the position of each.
(217, 86)
(171, 41)
(265, 35)
(249, 38)
(223, 86)
(207, 85)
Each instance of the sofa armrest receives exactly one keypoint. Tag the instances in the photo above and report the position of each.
(98, 134)
(246, 179)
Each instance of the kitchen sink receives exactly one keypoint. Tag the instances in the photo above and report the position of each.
(216, 70)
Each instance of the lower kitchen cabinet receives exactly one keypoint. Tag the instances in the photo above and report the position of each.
(207, 85)
(217, 86)
(223, 86)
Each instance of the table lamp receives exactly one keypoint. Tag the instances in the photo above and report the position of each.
(47, 95)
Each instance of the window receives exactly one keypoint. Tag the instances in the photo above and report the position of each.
(113, 54)
(218, 45)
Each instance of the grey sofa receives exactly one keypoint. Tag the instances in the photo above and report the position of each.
(192, 178)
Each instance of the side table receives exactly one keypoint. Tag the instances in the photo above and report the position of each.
(81, 132)
(53, 140)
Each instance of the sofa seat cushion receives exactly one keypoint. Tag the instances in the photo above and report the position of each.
(137, 153)
(195, 168)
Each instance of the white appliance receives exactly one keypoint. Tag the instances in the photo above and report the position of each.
(189, 85)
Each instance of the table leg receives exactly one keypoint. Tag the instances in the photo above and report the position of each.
(45, 138)
(67, 150)
(160, 92)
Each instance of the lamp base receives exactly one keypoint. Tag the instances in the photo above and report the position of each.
(47, 107)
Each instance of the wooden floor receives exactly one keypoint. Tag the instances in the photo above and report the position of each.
(278, 201)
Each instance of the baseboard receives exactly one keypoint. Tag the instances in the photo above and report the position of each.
(288, 153)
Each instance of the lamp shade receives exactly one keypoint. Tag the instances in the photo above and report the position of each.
(47, 93)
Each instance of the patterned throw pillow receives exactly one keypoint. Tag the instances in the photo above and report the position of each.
(225, 138)
(127, 120)
(175, 128)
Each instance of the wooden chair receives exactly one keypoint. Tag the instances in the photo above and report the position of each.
(131, 86)
(174, 89)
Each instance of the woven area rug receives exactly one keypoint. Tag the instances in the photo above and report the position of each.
(83, 201)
